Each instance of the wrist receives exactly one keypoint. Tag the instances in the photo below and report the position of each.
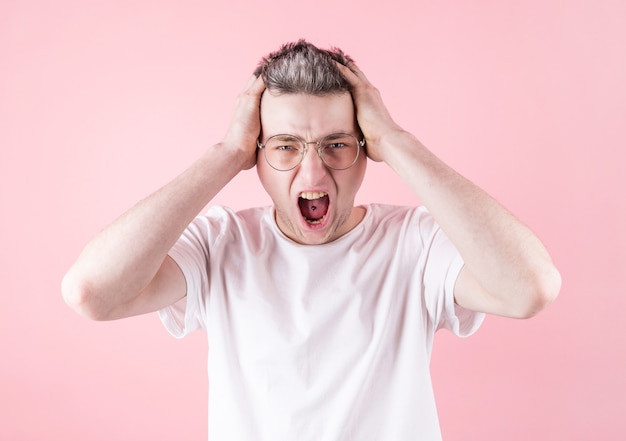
(393, 143)
(233, 154)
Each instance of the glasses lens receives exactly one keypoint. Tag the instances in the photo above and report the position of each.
(340, 150)
(283, 152)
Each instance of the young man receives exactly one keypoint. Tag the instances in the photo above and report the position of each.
(320, 314)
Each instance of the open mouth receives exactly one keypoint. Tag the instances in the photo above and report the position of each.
(313, 206)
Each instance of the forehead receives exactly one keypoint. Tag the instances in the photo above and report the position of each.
(307, 115)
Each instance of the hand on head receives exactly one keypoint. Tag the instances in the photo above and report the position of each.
(372, 115)
(245, 125)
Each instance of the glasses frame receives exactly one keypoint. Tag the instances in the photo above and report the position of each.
(359, 144)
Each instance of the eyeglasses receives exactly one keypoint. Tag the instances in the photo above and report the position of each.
(338, 151)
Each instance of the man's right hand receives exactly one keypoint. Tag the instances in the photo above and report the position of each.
(245, 125)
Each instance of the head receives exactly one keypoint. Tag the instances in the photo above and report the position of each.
(307, 96)
(301, 67)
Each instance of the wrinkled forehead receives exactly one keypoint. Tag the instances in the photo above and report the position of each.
(308, 116)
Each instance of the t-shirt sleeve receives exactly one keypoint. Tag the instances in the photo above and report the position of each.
(191, 254)
(441, 267)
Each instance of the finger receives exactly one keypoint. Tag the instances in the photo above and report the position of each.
(352, 70)
(258, 85)
(249, 83)
(350, 76)
(255, 85)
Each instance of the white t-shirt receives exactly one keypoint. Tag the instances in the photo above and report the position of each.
(319, 342)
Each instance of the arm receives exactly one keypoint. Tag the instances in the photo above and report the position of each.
(125, 270)
(507, 269)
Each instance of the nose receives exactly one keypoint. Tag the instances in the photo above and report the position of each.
(312, 166)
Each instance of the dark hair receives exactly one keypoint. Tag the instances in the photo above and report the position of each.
(301, 67)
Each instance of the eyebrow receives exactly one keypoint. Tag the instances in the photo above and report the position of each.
(285, 137)
(337, 135)
(331, 136)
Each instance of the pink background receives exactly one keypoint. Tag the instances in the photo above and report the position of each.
(102, 102)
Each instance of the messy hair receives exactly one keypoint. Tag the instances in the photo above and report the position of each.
(301, 67)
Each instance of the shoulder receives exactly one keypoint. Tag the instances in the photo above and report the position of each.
(384, 214)
(249, 229)
(394, 222)
(221, 217)
(220, 222)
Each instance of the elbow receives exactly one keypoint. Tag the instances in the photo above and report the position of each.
(542, 291)
(79, 296)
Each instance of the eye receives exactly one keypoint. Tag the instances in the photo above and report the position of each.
(336, 145)
(338, 141)
(283, 144)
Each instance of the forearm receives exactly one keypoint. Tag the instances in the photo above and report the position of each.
(122, 260)
(504, 257)
(507, 270)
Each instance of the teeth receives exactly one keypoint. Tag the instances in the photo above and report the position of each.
(310, 195)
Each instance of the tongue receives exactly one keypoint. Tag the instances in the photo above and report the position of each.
(314, 209)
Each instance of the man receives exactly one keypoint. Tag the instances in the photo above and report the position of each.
(320, 314)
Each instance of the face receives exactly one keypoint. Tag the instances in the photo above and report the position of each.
(314, 204)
